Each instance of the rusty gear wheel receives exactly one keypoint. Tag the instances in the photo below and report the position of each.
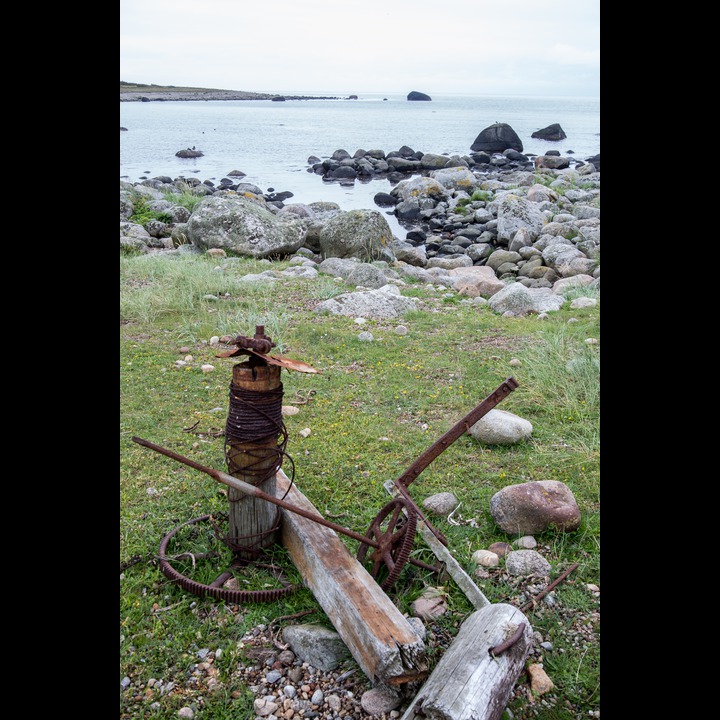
(393, 530)
(215, 589)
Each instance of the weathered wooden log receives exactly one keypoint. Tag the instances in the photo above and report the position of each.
(378, 636)
(470, 683)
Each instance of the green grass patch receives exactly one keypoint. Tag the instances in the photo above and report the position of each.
(372, 410)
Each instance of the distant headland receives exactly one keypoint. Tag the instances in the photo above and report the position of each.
(139, 92)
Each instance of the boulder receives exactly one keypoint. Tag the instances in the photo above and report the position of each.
(415, 95)
(243, 226)
(534, 507)
(497, 138)
(364, 234)
(499, 427)
(551, 132)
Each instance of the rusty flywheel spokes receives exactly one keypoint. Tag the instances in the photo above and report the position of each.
(390, 535)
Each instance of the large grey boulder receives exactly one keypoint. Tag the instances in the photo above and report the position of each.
(455, 178)
(497, 138)
(422, 187)
(520, 300)
(243, 226)
(364, 234)
(382, 303)
(476, 281)
(551, 132)
(515, 212)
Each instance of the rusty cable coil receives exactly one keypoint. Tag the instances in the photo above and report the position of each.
(254, 415)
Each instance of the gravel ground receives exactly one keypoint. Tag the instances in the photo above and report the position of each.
(286, 688)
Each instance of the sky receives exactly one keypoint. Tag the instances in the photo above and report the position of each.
(342, 47)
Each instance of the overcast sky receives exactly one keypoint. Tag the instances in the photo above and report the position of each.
(342, 47)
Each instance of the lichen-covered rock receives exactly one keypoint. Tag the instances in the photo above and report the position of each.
(243, 226)
(364, 234)
(534, 507)
(515, 212)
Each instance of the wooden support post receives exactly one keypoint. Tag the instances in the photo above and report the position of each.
(469, 683)
(379, 637)
(251, 520)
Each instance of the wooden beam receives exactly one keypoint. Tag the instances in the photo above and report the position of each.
(469, 683)
(379, 637)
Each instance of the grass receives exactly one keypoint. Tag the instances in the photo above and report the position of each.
(372, 410)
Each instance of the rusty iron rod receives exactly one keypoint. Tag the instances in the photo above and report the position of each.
(548, 588)
(456, 431)
(248, 489)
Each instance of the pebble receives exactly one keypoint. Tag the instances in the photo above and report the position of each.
(526, 542)
(486, 558)
(186, 713)
(317, 697)
(207, 368)
(365, 336)
(401, 330)
(501, 549)
(305, 432)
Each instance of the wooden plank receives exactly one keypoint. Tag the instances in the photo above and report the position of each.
(468, 683)
(456, 572)
(379, 637)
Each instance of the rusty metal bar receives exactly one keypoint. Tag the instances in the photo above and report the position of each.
(502, 647)
(548, 588)
(248, 489)
(456, 431)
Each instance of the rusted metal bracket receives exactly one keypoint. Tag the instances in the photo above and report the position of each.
(258, 348)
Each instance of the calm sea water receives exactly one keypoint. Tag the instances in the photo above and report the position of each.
(271, 141)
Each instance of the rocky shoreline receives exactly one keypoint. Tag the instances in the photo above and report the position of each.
(532, 223)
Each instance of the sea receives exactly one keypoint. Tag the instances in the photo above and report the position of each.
(271, 141)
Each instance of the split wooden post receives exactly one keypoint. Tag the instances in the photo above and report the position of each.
(470, 683)
(252, 522)
(377, 634)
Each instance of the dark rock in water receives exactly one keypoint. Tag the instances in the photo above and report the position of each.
(515, 155)
(278, 98)
(414, 95)
(278, 197)
(551, 132)
(353, 97)
(122, 128)
(384, 199)
(553, 153)
(189, 153)
(497, 138)
(595, 160)
(416, 236)
(236, 173)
